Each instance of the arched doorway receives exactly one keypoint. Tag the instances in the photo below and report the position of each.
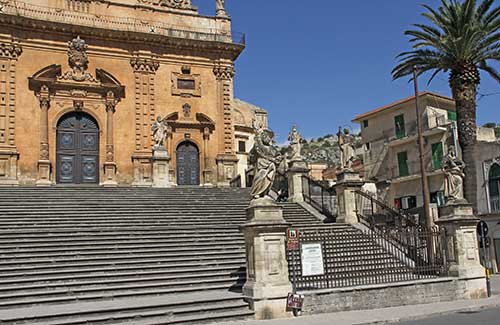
(494, 188)
(188, 164)
(77, 149)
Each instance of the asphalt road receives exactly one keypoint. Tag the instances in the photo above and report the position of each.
(484, 317)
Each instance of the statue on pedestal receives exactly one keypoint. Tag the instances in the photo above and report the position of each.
(220, 8)
(267, 160)
(295, 139)
(346, 146)
(159, 128)
(453, 168)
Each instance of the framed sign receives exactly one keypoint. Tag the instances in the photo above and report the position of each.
(312, 259)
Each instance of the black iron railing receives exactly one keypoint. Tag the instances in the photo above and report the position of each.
(354, 257)
(235, 182)
(376, 213)
(280, 186)
(320, 196)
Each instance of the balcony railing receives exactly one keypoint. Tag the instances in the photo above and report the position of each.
(495, 204)
(126, 24)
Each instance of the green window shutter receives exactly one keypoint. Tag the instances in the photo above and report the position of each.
(437, 155)
(403, 164)
(452, 115)
(399, 126)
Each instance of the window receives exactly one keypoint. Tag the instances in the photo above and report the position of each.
(452, 115)
(399, 126)
(367, 146)
(403, 164)
(406, 202)
(438, 198)
(437, 155)
(494, 188)
(365, 123)
(186, 84)
(242, 146)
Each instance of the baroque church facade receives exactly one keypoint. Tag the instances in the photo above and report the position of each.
(83, 81)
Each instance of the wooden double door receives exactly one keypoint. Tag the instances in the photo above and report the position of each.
(77, 149)
(188, 164)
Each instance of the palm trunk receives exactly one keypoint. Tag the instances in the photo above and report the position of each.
(465, 96)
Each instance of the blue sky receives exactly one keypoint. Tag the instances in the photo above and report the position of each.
(320, 63)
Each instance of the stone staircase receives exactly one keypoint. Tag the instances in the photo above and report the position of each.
(91, 255)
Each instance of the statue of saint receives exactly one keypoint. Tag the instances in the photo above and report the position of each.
(453, 168)
(159, 129)
(267, 160)
(295, 139)
(220, 8)
(345, 143)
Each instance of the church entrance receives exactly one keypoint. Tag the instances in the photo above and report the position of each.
(188, 164)
(77, 149)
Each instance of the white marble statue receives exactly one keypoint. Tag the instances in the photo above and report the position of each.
(453, 168)
(159, 129)
(295, 139)
(345, 143)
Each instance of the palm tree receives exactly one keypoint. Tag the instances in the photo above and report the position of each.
(463, 37)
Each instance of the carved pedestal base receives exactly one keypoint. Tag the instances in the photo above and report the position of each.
(8, 168)
(226, 169)
(207, 178)
(297, 170)
(109, 175)
(43, 173)
(161, 168)
(348, 182)
(268, 283)
(143, 174)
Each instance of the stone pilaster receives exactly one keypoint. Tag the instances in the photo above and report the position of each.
(227, 160)
(268, 282)
(144, 75)
(207, 171)
(110, 164)
(348, 182)
(44, 166)
(9, 53)
(460, 224)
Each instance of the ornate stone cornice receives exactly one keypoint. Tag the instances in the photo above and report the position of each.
(224, 72)
(10, 50)
(176, 4)
(144, 65)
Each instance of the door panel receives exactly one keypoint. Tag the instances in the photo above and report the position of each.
(77, 149)
(188, 164)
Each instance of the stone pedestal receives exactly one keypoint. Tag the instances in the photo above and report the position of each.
(142, 169)
(109, 175)
(268, 282)
(296, 171)
(8, 167)
(462, 247)
(226, 168)
(348, 181)
(161, 168)
(43, 173)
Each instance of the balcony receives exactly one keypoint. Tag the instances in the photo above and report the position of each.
(409, 134)
(412, 172)
(115, 23)
(495, 204)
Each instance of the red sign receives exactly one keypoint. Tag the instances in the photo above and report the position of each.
(292, 239)
(295, 301)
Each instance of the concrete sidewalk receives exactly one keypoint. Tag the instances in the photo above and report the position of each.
(393, 314)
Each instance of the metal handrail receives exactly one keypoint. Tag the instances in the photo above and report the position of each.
(327, 205)
(128, 24)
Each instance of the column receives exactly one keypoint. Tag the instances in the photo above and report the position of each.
(43, 161)
(226, 158)
(207, 171)
(110, 164)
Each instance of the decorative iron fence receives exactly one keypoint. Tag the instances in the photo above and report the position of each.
(280, 186)
(354, 257)
(321, 197)
(376, 213)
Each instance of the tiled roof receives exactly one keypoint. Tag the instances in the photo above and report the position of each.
(399, 102)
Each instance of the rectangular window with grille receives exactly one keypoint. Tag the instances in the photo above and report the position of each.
(437, 155)
(186, 84)
(399, 126)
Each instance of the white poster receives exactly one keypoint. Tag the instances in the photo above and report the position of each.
(312, 259)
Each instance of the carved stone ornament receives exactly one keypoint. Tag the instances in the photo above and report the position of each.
(144, 65)
(78, 62)
(160, 130)
(346, 146)
(220, 8)
(10, 50)
(186, 109)
(177, 4)
(453, 168)
(224, 73)
(295, 139)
